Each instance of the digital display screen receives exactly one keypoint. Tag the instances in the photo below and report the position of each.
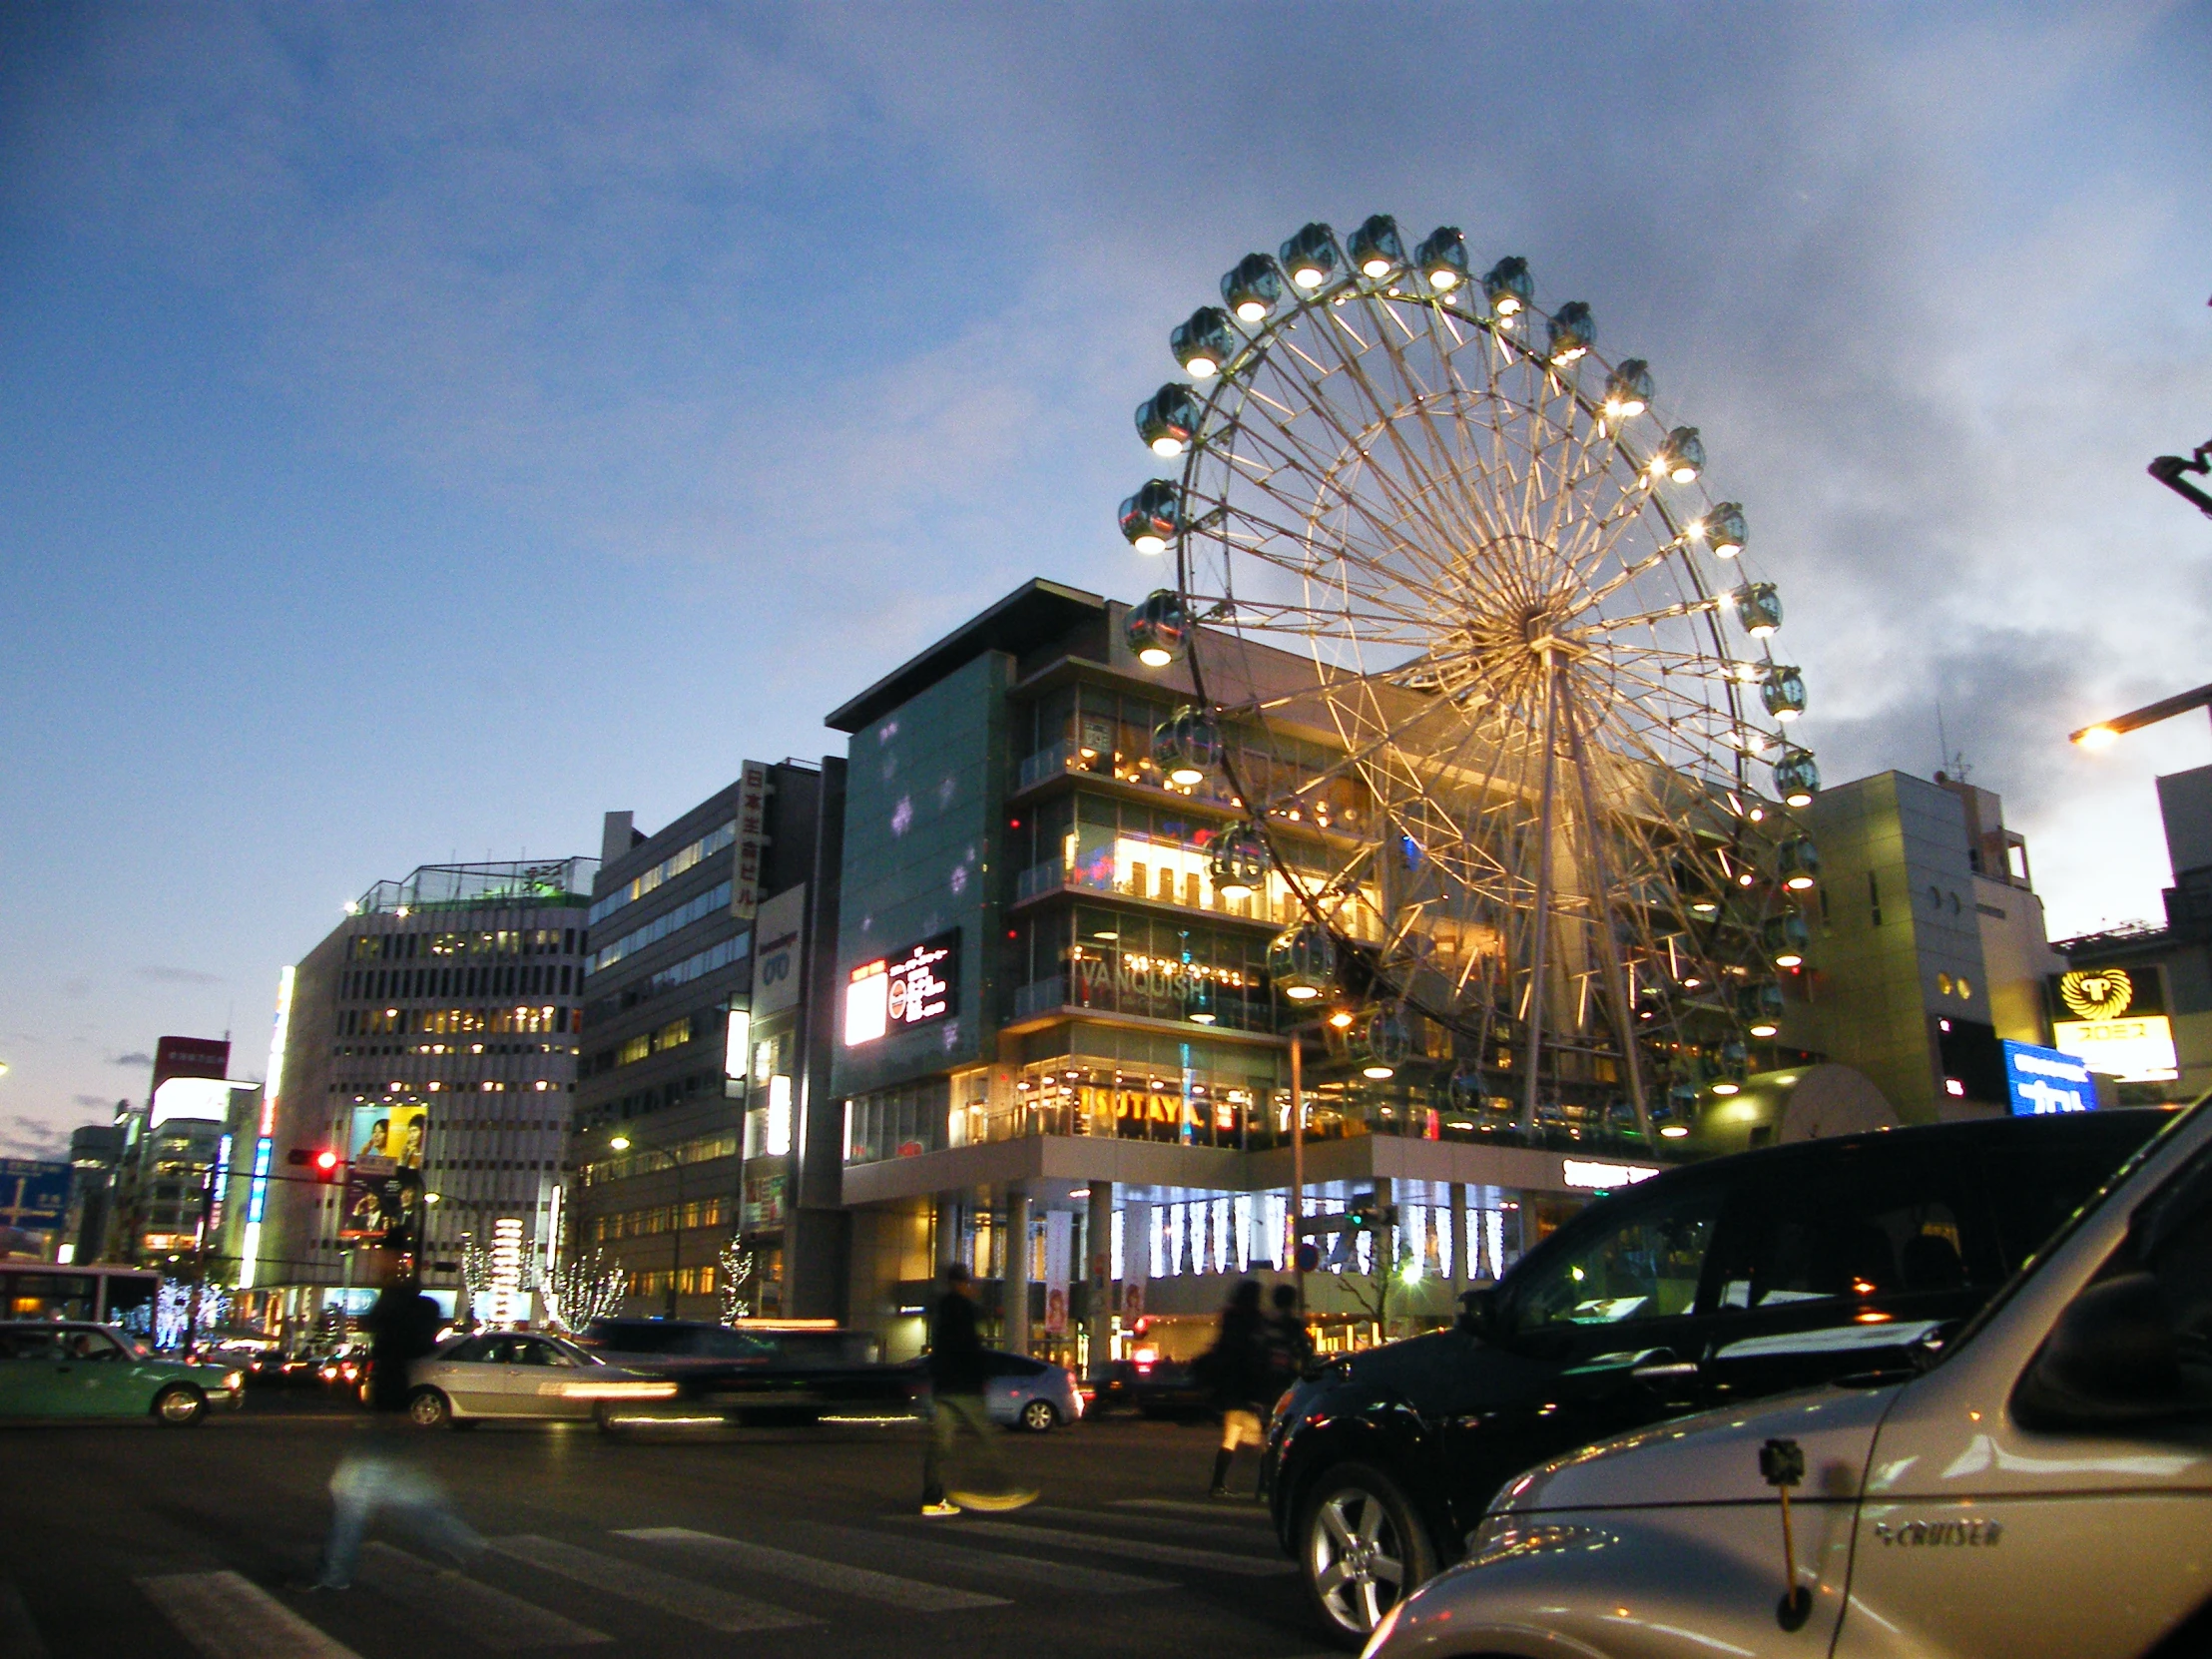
(2044, 1080)
(915, 986)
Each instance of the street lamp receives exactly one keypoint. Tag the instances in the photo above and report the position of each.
(621, 1141)
(2106, 733)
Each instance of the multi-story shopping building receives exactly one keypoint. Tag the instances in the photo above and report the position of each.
(429, 1041)
(693, 1083)
(1061, 1055)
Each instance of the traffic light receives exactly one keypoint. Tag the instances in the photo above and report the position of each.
(324, 1162)
(1367, 1216)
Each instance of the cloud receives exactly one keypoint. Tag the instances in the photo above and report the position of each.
(137, 1057)
(92, 1102)
(178, 975)
(21, 1136)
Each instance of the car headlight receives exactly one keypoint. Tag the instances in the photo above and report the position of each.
(1383, 1631)
(1502, 1538)
(234, 1381)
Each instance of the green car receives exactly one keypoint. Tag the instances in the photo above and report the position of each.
(57, 1369)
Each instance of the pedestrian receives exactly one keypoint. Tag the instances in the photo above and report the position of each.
(957, 1371)
(1235, 1369)
(378, 1473)
(1289, 1345)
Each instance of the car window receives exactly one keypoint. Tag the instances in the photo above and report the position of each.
(541, 1354)
(1873, 1223)
(91, 1345)
(1645, 1266)
(465, 1351)
(32, 1345)
(731, 1345)
(498, 1350)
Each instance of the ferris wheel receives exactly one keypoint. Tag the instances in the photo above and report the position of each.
(1428, 541)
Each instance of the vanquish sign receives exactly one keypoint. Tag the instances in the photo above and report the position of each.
(917, 986)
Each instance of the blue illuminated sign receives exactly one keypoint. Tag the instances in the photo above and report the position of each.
(2044, 1080)
(256, 1195)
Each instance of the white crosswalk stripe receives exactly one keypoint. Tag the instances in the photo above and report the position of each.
(933, 1555)
(1137, 1549)
(700, 1604)
(226, 1617)
(491, 1617)
(911, 1594)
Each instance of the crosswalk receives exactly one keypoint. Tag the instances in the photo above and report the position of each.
(639, 1588)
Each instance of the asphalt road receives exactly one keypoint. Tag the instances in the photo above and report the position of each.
(129, 1539)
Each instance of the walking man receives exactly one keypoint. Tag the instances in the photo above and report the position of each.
(957, 1371)
(1238, 1369)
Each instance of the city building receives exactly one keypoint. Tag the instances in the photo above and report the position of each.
(1928, 949)
(95, 1150)
(2137, 1001)
(694, 1089)
(136, 1209)
(430, 1042)
(1061, 1056)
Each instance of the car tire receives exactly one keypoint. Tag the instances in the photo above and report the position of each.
(179, 1406)
(1361, 1548)
(427, 1408)
(1040, 1417)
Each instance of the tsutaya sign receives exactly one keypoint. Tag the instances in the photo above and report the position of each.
(918, 986)
(2119, 1024)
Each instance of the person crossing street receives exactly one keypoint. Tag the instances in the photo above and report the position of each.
(957, 1371)
(1236, 1372)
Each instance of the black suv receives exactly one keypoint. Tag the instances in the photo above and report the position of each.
(1712, 1283)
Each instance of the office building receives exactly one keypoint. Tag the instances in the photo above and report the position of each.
(430, 1042)
(1929, 948)
(95, 1149)
(1061, 1056)
(694, 1088)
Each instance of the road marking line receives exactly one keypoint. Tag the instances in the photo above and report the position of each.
(826, 1575)
(226, 1617)
(1139, 1549)
(702, 1604)
(1175, 1527)
(1252, 1517)
(492, 1618)
(19, 1637)
(936, 1555)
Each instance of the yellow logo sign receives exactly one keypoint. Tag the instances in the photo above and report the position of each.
(2097, 993)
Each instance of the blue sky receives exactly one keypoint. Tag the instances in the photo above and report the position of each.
(423, 428)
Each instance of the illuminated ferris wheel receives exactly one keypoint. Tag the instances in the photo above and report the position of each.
(1542, 856)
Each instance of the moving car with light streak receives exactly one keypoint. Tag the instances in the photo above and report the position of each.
(2042, 1484)
(760, 1371)
(472, 1379)
(56, 1369)
(1724, 1281)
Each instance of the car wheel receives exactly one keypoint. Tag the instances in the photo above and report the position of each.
(429, 1409)
(1361, 1548)
(179, 1406)
(1039, 1415)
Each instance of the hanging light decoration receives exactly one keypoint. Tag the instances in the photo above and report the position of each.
(1202, 342)
(1253, 288)
(1239, 863)
(1681, 457)
(1785, 940)
(1758, 608)
(1302, 962)
(1442, 257)
(1570, 334)
(1168, 419)
(1508, 288)
(1151, 517)
(1796, 778)
(1186, 746)
(1723, 530)
(1383, 1045)
(1376, 248)
(1628, 389)
(1783, 691)
(1159, 629)
(1797, 861)
(1309, 257)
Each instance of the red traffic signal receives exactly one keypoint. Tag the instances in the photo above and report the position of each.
(323, 1159)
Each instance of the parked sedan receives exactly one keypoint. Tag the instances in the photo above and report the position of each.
(1022, 1392)
(471, 1379)
(67, 1369)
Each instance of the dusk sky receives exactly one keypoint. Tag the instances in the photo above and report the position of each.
(425, 428)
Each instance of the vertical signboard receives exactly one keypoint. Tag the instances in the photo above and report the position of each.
(777, 958)
(1059, 1233)
(383, 1178)
(744, 870)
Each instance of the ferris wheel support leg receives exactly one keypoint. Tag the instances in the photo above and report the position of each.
(1616, 975)
(1541, 921)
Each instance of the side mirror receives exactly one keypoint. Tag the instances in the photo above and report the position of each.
(1478, 1312)
(2110, 1357)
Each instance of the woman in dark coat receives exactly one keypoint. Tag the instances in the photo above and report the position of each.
(1238, 1373)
